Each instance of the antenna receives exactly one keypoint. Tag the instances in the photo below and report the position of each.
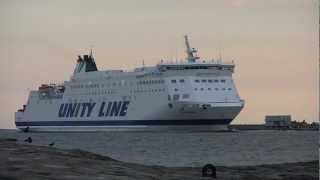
(176, 52)
(91, 51)
(220, 56)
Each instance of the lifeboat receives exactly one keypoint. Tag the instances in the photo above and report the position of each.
(44, 87)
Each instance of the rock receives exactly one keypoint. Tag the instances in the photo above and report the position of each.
(9, 139)
(25, 161)
(29, 140)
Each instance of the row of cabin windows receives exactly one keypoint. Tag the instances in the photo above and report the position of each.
(202, 80)
(70, 100)
(124, 83)
(175, 81)
(176, 97)
(94, 92)
(77, 86)
(113, 91)
(196, 67)
(75, 100)
(217, 89)
(210, 80)
(202, 89)
(156, 81)
(147, 90)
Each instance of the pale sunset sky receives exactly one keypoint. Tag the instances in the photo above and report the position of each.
(273, 43)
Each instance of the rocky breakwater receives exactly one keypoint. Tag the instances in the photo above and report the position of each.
(24, 161)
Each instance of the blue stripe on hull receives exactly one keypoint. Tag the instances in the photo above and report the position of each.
(127, 122)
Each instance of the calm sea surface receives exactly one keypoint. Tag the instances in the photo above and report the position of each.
(187, 148)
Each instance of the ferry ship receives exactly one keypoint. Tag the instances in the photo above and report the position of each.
(195, 94)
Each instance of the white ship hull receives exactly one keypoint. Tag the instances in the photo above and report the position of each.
(185, 96)
(179, 117)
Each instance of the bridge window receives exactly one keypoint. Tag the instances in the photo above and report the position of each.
(223, 89)
(210, 80)
(181, 80)
(229, 89)
(175, 89)
(173, 81)
(216, 80)
(197, 80)
(201, 89)
(216, 89)
(195, 89)
(204, 80)
(223, 80)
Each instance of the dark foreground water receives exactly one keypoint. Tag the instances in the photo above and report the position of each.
(188, 148)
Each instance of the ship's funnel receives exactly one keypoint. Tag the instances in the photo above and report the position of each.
(85, 64)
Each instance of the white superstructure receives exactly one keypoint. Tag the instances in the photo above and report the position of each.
(195, 94)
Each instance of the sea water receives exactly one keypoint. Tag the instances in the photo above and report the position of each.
(187, 148)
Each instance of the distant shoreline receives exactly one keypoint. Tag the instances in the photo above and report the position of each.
(24, 161)
(263, 127)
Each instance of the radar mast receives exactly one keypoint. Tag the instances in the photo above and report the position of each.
(191, 58)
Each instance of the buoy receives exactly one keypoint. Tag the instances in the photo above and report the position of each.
(209, 170)
(29, 140)
(51, 144)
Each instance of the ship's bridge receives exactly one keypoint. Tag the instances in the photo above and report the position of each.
(193, 63)
(213, 65)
